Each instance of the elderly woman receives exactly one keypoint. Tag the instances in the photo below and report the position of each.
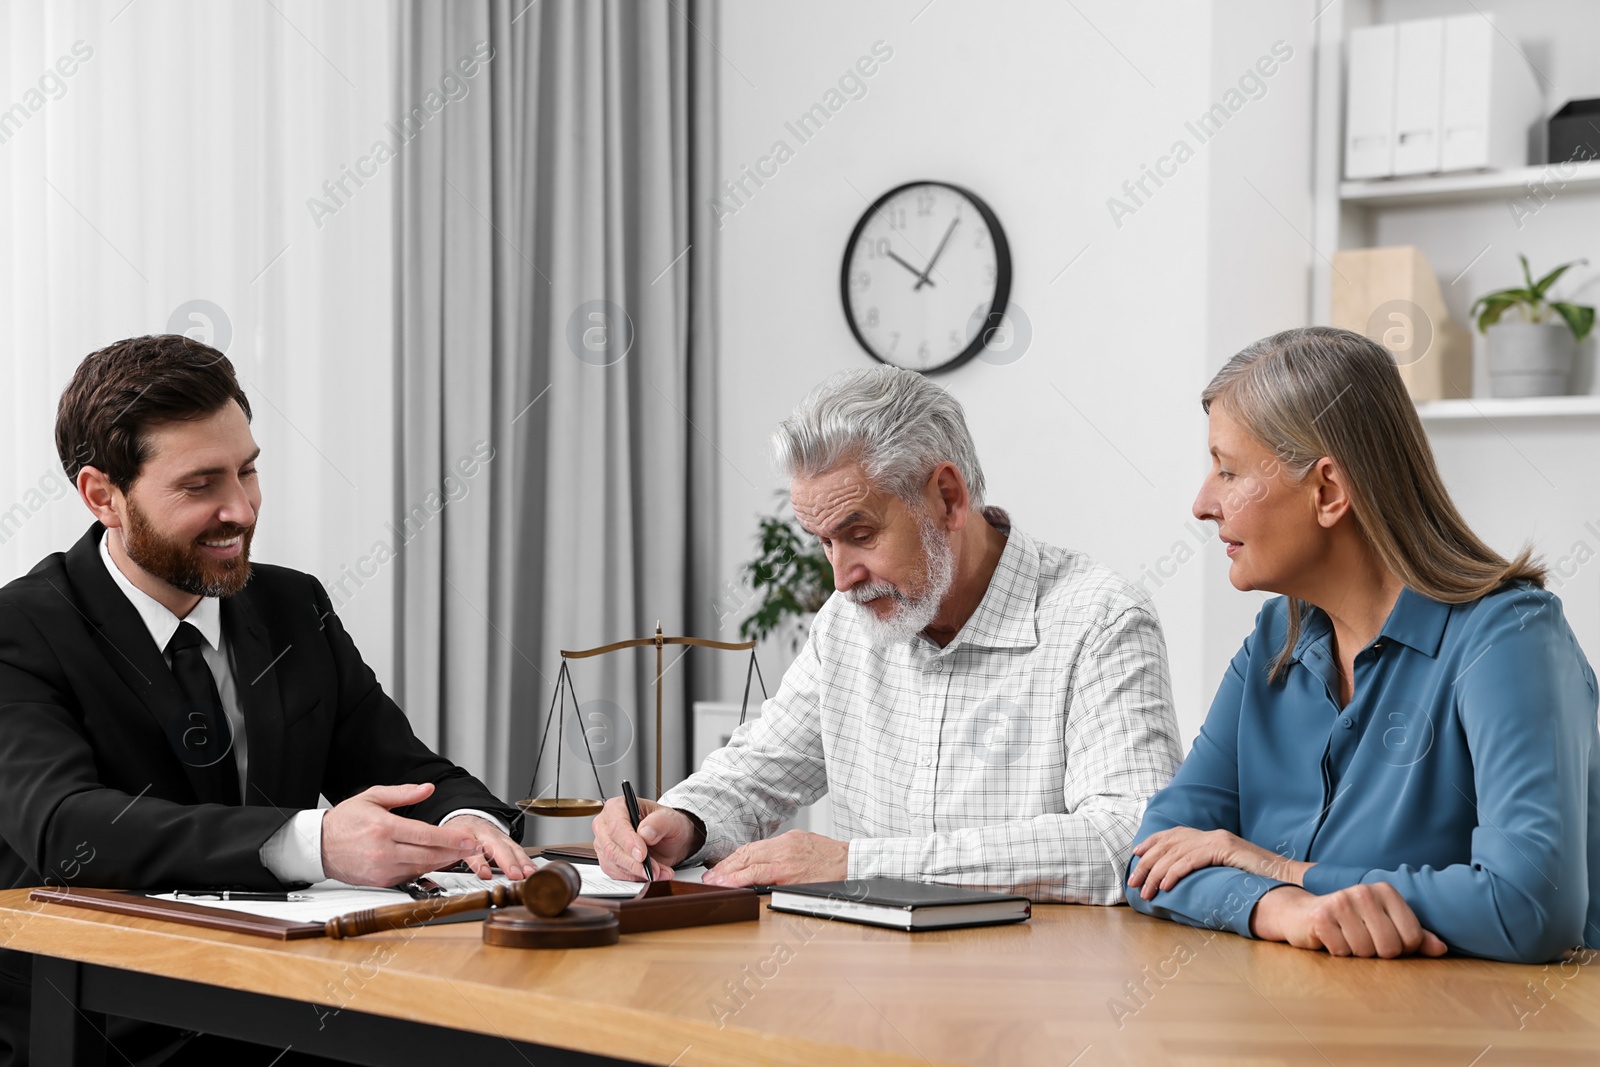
(1403, 756)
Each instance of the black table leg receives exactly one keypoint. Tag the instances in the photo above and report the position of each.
(70, 1002)
(63, 1034)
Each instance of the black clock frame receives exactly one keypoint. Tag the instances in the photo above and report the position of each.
(1002, 267)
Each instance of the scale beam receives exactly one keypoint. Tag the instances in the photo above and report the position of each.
(658, 641)
(646, 642)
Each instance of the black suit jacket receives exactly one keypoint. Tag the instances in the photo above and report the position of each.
(91, 792)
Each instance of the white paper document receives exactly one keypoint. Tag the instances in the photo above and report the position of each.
(328, 900)
(332, 898)
(596, 883)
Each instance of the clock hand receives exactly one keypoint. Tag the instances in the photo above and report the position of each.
(907, 266)
(922, 279)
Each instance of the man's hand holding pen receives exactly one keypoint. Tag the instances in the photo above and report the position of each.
(665, 836)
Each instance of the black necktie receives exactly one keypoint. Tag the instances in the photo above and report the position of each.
(204, 739)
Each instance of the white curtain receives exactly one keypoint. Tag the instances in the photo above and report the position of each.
(156, 164)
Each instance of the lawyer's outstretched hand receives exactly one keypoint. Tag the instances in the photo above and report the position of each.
(495, 848)
(364, 843)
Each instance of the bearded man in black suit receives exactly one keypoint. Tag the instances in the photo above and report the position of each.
(169, 712)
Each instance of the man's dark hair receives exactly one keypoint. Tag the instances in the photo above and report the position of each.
(121, 391)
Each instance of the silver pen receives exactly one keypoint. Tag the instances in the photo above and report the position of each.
(229, 894)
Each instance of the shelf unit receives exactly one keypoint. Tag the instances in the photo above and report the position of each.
(1356, 214)
(1558, 178)
(1492, 408)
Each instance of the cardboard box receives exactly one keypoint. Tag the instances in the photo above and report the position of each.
(1392, 296)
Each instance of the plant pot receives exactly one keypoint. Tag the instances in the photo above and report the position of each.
(1530, 359)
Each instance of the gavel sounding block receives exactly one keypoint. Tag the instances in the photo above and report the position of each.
(579, 926)
(548, 918)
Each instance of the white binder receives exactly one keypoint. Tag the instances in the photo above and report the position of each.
(1419, 76)
(1491, 98)
(1431, 95)
(1369, 102)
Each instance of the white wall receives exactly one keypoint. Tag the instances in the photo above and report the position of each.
(1259, 256)
(1045, 112)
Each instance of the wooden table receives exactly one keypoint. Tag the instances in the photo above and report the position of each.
(1076, 985)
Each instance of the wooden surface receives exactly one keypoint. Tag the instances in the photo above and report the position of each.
(1076, 985)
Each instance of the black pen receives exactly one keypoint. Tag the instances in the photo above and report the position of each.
(229, 894)
(633, 817)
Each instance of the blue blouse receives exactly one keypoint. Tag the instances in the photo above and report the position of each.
(1465, 772)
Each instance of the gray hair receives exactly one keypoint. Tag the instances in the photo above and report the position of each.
(896, 423)
(1321, 392)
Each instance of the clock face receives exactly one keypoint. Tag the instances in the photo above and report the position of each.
(926, 276)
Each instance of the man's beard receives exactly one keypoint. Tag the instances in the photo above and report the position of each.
(911, 615)
(184, 565)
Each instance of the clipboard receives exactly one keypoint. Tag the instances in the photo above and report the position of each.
(570, 853)
(667, 905)
(127, 902)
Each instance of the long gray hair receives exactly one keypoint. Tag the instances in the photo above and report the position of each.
(1320, 391)
(896, 423)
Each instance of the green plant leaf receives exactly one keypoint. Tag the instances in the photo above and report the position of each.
(1544, 284)
(790, 572)
(1526, 273)
(1496, 304)
(1579, 317)
(1521, 295)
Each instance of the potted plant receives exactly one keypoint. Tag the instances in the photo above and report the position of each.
(791, 575)
(1534, 354)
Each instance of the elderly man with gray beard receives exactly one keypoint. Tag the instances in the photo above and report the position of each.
(984, 709)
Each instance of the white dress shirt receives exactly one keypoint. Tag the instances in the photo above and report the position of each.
(1019, 757)
(294, 853)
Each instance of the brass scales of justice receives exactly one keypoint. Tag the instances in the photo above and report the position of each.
(559, 805)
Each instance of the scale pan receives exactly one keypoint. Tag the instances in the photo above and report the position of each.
(561, 806)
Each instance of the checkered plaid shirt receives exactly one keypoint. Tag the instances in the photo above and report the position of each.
(1017, 758)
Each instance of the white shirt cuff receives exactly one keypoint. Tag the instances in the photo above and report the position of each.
(485, 816)
(294, 853)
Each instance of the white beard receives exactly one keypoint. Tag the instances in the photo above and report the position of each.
(911, 615)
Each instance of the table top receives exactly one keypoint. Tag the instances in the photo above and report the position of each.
(1075, 985)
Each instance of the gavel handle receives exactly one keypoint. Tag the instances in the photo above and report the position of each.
(419, 912)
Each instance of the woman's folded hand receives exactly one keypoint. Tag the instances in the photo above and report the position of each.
(1371, 919)
(1167, 856)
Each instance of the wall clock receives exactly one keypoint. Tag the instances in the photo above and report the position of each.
(926, 276)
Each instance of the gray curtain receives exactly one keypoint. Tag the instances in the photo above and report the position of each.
(555, 380)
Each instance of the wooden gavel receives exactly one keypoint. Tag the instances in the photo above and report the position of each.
(546, 893)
